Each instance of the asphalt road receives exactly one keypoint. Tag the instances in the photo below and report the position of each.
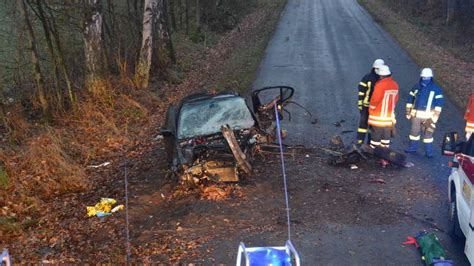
(322, 48)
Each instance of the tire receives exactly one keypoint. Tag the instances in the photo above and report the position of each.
(454, 229)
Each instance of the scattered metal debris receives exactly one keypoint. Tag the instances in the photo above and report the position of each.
(378, 181)
(339, 155)
(98, 166)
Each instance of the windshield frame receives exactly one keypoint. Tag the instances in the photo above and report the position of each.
(180, 136)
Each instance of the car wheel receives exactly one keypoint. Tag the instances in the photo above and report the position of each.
(454, 227)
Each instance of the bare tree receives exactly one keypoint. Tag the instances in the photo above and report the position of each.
(172, 14)
(47, 34)
(198, 16)
(93, 47)
(60, 54)
(39, 79)
(166, 44)
(186, 16)
(149, 44)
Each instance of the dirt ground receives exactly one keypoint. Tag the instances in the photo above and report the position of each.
(339, 216)
(171, 225)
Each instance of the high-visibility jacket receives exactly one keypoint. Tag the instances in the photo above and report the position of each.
(366, 89)
(383, 102)
(425, 102)
(469, 115)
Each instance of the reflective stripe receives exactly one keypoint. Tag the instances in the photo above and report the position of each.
(412, 93)
(423, 114)
(360, 102)
(381, 118)
(367, 93)
(414, 137)
(430, 140)
(385, 141)
(362, 130)
(469, 127)
(360, 141)
(375, 143)
(439, 96)
(361, 93)
(430, 101)
(438, 109)
(380, 121)
(362, 84)
(409, 105)
(380, 124)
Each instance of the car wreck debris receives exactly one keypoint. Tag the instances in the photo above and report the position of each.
(213, 137)
(340, 155)
(236, 151)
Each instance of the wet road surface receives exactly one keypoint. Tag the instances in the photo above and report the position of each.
(322, 48)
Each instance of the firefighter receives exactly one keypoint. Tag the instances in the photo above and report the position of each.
(469, 117)
(366, 88)
(382, 110)
(423, 108)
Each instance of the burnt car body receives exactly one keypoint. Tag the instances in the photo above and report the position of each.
(214, 136)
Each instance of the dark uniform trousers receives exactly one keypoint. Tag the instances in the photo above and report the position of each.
(363, 129)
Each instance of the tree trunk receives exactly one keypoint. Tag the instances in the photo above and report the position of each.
(93, 48)
(34, 57)
(180, 13)
(166, 44)
(452, 11)
(186, 16)
(62, 61)
(198, 17)
(47, 34)
(149, 44)
(172, 14)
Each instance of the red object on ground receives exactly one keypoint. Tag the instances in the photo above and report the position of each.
(411, 241)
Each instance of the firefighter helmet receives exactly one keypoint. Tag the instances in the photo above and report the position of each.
(426, 73)
(378, 63)
(384, 71)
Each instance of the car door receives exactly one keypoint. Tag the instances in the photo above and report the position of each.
(168, 131)
(466, 178)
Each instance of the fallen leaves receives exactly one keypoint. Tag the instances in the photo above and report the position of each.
(216, 193)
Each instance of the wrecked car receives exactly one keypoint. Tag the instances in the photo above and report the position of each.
(213, 137)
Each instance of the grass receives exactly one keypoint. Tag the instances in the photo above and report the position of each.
(4, 180)
(242, 65)
(451, 70)
(9, 224)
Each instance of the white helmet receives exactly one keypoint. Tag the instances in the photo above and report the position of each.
(426, 73)
(378, 63)
(384, 71)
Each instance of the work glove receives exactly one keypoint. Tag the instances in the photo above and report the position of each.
(408, 113)
(429, 125)
(435, 116)
(360, 107)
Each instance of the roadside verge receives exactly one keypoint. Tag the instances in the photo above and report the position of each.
(452, 72)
